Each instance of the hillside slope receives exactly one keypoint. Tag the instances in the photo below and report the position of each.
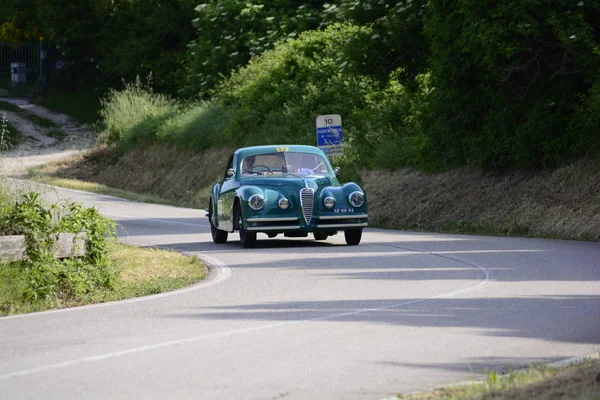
(563, 203)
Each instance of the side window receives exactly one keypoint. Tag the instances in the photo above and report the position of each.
(230, 164)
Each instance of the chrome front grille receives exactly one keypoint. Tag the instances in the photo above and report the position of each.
(307, 199)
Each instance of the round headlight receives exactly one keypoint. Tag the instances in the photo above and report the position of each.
(284, 204)
(357, 199)
(256, 202)
(329, 202)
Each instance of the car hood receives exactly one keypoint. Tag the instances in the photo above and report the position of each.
(290, 182)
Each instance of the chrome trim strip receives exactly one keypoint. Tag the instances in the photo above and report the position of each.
(344, 216)
(258, 219)
(356, 225)
(271, 228)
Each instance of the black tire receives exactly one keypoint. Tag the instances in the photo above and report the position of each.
(320, 235)
(353, 236)
(218, 236)
(247, 239)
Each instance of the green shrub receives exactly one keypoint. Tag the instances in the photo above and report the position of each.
(585, 122)
(277, 98)
(47, 278)
(200, 126)
(134, 113)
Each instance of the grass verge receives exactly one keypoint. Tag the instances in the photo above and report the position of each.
(140, 272)
(574, 382)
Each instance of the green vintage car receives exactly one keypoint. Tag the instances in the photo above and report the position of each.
(290, 190)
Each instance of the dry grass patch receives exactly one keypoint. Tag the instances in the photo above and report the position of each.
(564, 203)
(143, 271)
(137, 264)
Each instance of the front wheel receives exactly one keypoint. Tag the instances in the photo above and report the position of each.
(353, 236)
(218, 236)
(247, 239)
(320, 235)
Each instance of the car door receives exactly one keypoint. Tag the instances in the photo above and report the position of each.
(227, 193)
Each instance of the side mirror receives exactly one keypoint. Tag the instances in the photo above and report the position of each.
(230, 173)
(337, 171)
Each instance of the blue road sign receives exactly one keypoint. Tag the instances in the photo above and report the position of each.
(330, 139)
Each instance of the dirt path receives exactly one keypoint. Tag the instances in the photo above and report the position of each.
(37, 148)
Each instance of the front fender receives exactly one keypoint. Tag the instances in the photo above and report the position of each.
(245, 192)
(341, 195)
(271, 207)
(213, 200)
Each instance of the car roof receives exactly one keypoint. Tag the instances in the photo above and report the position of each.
(286, 148)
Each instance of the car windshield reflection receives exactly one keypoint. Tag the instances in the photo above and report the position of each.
(282, 163)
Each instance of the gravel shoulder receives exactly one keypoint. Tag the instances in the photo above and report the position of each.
(37, 147)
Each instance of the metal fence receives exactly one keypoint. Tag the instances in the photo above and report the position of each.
(21, 72)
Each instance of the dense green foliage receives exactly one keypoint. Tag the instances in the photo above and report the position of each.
(275, 99)
(47, 278)
(509, 81)
(230, 32)
(430, 84)
(103, 42)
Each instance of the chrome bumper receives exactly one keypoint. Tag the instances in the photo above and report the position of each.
(324, 222)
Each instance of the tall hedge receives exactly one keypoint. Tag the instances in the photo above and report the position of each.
(509, 80)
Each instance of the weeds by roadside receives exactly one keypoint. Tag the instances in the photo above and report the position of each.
(9, 136)
(573, 382)
(4, 133)
(136, 272)
(50, 280)
(109, 271)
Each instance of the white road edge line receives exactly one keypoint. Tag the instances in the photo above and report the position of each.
(106, 356)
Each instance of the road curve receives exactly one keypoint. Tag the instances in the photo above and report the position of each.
(300, 319)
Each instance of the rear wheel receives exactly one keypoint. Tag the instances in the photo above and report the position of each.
(353, 236)
(218, 236)
(247, 239)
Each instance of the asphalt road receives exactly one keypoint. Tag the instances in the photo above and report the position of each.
(300, 319)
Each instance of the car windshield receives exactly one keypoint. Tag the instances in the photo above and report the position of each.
(284, 163)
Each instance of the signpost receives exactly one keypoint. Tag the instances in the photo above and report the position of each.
(330, 137)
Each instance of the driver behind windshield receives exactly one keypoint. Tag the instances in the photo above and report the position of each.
(247, 166)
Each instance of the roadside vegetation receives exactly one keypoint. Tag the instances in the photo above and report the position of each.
(573, 382)
(108, 270)
(9, 135)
